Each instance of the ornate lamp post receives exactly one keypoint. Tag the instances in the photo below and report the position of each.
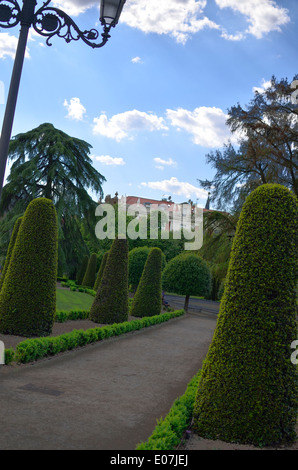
(49, 22)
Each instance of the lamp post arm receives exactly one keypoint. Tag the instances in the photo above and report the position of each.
(51, 21)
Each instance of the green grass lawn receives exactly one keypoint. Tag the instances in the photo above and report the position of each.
(69, 300)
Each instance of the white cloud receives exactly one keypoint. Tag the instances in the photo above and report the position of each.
(136, 60)
(178, 18)
(74, 7)
(206, 125)
(263, 16)
(120, 126)
(265, 85)
(232, 37)
(161, 163)
(109, 161)
(75, 109)
(8, 46)
(174, 186)
(183, 18)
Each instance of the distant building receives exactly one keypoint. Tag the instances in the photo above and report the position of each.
(163, 205)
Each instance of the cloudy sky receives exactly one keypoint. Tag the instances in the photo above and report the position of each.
(153, 101)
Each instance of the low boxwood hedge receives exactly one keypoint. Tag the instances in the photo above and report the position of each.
(37, 348)
(169, 431)
(63, 316)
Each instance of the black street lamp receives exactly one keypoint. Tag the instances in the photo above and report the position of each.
(47, 21)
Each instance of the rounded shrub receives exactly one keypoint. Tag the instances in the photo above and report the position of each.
(28, 294)
(187, 274)
(90, 274)
(100, 271)
(248, 388)
(10, 249)
(110, 303)
(82, 269)
(147, 299)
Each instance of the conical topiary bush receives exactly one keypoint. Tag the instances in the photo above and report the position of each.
(82, 269)
(100, 271)
(28, 294)
(10, 249)
(248, 387)
(90, 274)
(147, 299)
(110, 304)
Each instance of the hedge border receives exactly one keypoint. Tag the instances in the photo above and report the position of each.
(63, 316)
(169, 431)
(31, 350)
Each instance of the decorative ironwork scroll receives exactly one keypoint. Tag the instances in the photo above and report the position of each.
(10, 12)
(49, 22)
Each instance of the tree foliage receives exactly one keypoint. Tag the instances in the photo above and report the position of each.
(101, 270)
(82, 270)
(10, 249)
(187, 274)
(49, 163)
(110, 304)
(28, 294)
(219, 230)
(267, 150)
(147, 300)
(90, 274)
(248, 388)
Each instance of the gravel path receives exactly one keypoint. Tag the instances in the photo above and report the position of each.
(106, 396)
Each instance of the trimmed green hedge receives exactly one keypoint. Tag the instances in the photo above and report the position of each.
(169, 431)
(12, 241)
(100, 271)
(248, 388)
(90, 274)
(33, 349)
(63, 316)
(147, 299)
(28, 294)
(110, 304)
(82, 269)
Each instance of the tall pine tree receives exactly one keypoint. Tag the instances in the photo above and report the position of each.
(49, 163)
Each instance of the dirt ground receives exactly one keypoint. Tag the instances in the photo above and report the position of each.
(11, 341)
(192, 442)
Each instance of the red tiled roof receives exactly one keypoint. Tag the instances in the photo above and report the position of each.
(142, 200)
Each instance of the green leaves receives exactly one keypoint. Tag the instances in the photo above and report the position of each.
(248, 388)
(28, 294)
(267, 151)
(33, 349)
(49, 163)
(111, 301)
(187, 274)
(147, 299)
(169, 431)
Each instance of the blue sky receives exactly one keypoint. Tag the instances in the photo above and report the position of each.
(153, 101)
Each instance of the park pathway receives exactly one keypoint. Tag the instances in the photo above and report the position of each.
(106, 396)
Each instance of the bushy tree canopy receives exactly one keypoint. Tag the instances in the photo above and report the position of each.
(187, 274)
(49, 163)
(267, 150)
